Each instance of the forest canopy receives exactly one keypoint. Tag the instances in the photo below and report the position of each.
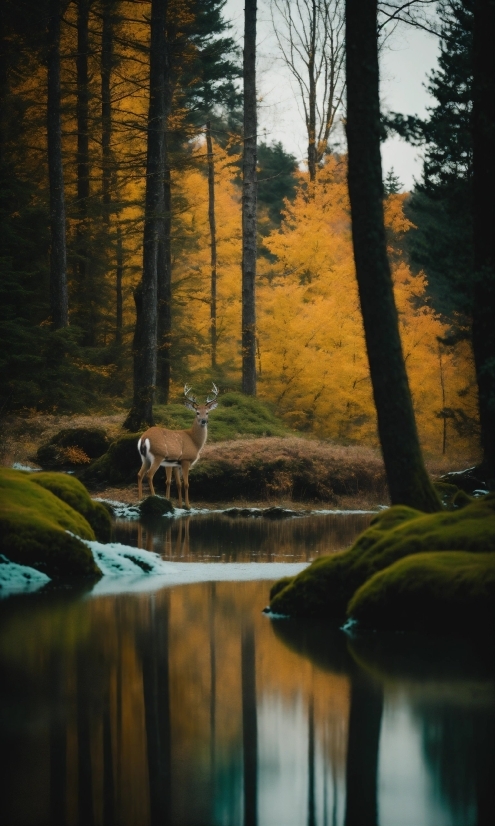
(310, 350)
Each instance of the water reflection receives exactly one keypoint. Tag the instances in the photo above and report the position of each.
(218, 537)
(189, 707)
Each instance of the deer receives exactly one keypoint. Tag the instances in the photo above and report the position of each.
(176, 450)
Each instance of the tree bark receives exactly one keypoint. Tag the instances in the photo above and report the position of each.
(407, 479)
(118, 287)
(86, 293)
(213, 246)
(145, 339)
(59, 302)
(106, 105)
(484, 224)
(165, 276)
(249, 197)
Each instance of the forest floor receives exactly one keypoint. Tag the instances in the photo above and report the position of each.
(20, 437)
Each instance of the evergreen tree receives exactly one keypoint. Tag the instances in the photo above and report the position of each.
(276, 178)
(441, 205)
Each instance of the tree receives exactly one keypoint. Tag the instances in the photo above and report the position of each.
(440, 207)
(406, 475)
(249, 200)
(310, 36)
(145, 339)
(484, 224)
(59, 306)
(276, 179)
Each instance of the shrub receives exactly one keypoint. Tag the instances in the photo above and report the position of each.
(71, 447)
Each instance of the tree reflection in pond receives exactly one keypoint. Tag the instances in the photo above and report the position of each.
(189, 707)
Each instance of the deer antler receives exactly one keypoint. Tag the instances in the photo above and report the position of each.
(187, 394)
(211, 398)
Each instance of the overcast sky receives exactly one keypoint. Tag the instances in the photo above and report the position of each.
(406, 62)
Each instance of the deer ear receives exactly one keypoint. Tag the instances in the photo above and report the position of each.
(190, 405)
(211, 406)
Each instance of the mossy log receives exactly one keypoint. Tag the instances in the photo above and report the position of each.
(39, 529)
(325, 587)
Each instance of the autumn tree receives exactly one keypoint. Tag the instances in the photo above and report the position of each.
(310, 36)
(407, 478)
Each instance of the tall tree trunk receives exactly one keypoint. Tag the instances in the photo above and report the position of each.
(484, 224)
(59, 302)
(106, 105)
(86, 297)
(249, 197)
(407, 479)
(118, 286)
(213, 246)
(165, 279)
(312, 97)
(164, 264)
(145, 339)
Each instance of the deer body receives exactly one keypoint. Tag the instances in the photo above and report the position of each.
(176, 450)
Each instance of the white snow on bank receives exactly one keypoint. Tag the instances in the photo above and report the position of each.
(19, 579)
(19, 466)
(123, 569)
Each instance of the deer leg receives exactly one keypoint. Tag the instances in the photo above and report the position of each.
(153, 469)
(168, 474)
(144, 467)
(178, 482)
(185, 474)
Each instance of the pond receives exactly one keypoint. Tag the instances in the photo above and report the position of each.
(187, 706)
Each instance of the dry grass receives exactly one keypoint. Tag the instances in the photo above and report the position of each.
(282, 470)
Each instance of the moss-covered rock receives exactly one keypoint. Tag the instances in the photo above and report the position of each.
(119, 465)
(72, 447)
(73, 492)
(451, 496)
(155, 506)
(34, 525)
(448, 590)
(325, 587)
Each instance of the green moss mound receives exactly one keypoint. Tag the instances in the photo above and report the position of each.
(155, 506)
(325, 588)
(72, 447)
(448, 590)
(119, 465)
(33, 529)
(73, 492)
(236, 415)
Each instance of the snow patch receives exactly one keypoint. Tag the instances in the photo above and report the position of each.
(19, 579)
(19, 466)
(126, 568)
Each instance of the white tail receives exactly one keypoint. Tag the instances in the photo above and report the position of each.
(177, 450)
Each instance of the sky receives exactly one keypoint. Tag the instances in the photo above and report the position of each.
(407, 60)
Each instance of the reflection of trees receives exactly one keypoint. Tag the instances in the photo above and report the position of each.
(243, 539)
(249, 725)
(154, 647)
(328, 650)
(450, 684)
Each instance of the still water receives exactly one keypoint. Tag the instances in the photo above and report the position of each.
(189, 707)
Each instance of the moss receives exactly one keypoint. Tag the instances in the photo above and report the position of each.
(326, 586)
(155, 506)
(119, 465)
(69, 447)
(449, 590)
(451, 496)
(73, 492)
(33, 529)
